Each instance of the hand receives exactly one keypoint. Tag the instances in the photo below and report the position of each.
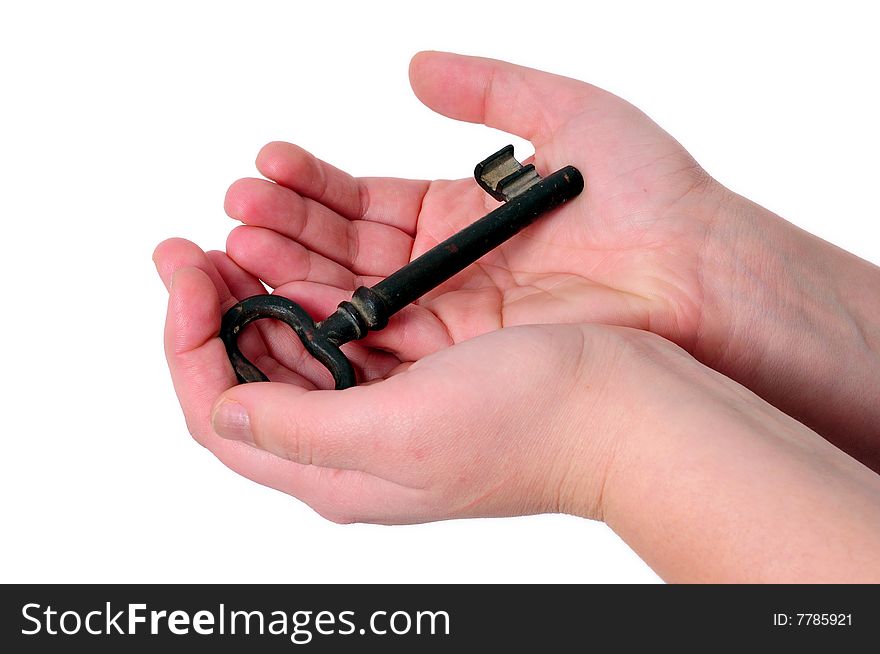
(652, 243)
(701, 477)
(484, 428)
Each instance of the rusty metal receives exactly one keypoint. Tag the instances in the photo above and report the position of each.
(527, 196)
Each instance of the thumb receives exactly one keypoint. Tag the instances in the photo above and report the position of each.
(518, 100)
(356, 429)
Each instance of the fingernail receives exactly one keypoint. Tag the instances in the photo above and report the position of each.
(231, 420)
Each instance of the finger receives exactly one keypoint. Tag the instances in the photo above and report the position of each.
(522, 101)
(175, 253)
(197, 359)
(240, 282)
(277, 260)
(301, 171)
(393, 202)
(355, 429)
(253, 340)
(365, 248)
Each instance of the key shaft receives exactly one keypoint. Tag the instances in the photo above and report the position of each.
(370, 308)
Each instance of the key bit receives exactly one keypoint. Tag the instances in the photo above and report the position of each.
(527, 196)
(503, 177)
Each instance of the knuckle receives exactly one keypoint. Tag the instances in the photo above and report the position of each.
(299, 443)
(335, 513)
(338, 518)
(294, 443)
(195, 433)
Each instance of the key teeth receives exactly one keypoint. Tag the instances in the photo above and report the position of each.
(503, 177)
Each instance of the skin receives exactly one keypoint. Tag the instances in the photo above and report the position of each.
(459, 418)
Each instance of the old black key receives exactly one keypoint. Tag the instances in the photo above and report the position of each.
(526, 195)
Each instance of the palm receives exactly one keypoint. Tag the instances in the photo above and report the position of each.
(627, 252)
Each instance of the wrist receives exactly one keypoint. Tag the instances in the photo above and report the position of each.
(698, 475)
(793, 318)
(630, 384)
(595, 419)
(722, 485)
(749, 285)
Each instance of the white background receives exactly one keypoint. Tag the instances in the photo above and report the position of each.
(121, 125)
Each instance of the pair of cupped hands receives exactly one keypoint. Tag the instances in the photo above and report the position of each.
(620, 359)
